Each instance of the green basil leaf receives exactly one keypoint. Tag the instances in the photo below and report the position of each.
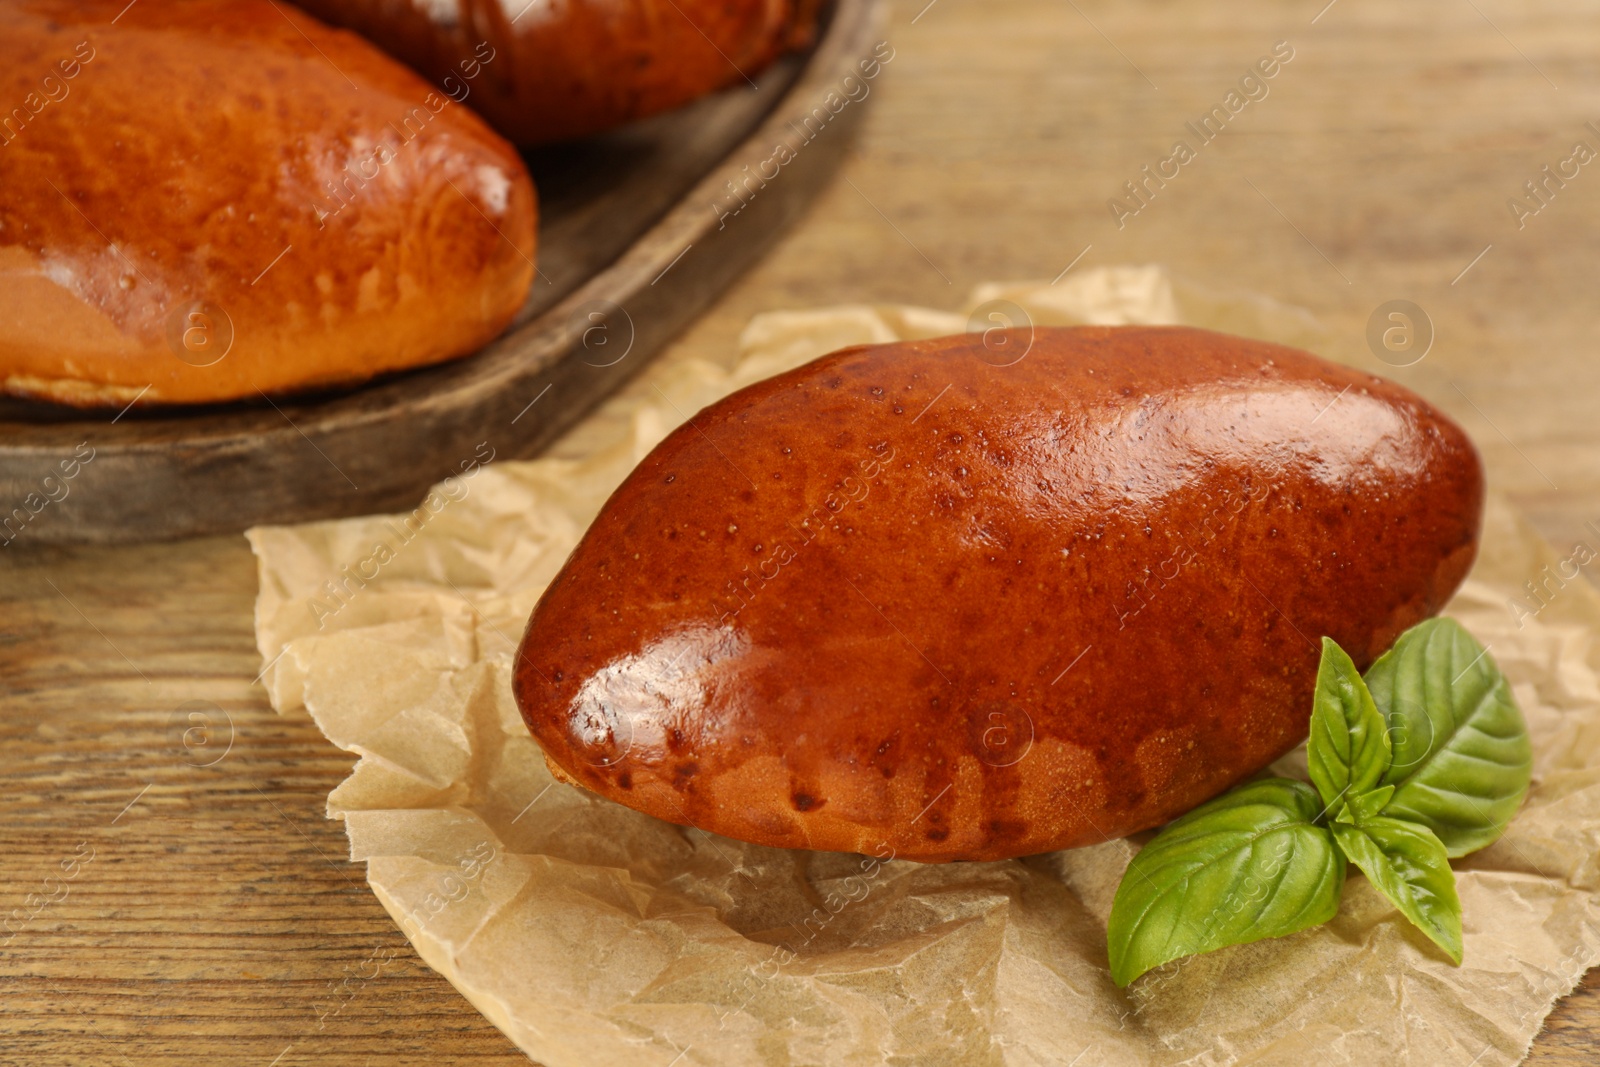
(1250, 864)
(1364, 806)
(1349, 747)
(1461, 758)
(1409, 866)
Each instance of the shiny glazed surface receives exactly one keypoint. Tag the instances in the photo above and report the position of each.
(552, 70)
(907, 599)
(207, 198)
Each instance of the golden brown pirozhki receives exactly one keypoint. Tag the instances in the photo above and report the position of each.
(905, 600)
(552, 70)
(231, 181)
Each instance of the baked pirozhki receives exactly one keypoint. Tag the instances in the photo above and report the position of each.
(203, 200)
(553, 70)
(936, 601)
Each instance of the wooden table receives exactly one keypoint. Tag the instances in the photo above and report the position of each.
(218, 911)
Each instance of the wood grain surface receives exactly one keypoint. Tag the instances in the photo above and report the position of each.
(218, 913)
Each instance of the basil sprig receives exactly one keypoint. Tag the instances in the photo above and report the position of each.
(1245, 866)
(1424, 759)
(1461, 753)
(1349, 748)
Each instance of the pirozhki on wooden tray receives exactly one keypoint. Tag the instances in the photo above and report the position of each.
(219, 199)
(553, 70)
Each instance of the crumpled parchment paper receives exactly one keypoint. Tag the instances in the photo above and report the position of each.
(593, 935)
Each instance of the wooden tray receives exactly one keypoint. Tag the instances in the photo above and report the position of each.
(637, 235)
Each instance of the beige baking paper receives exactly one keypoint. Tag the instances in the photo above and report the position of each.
(596, 936)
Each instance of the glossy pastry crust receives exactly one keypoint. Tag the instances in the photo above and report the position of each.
(553, 70)
(204, 200)
(906, 600)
